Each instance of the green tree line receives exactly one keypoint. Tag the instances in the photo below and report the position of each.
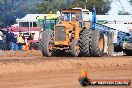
(102, 6)
(12, 9)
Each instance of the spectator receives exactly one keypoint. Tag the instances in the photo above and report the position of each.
(3, 46)
(1, 40)
(8, 39)
(16, 44)
(20, 41)
(12, 40)
(31, 41)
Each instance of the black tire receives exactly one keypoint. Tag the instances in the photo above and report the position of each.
(47, 39)
(128, 52)
(97, 37)
(85, 38)
(74, 51)
(84, 81)
(110, 44)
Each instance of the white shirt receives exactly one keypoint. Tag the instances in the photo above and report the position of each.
(1, 34)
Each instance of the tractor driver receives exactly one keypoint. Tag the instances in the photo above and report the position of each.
(66, 17)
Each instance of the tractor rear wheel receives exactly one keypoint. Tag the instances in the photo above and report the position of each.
(47, 43)
(75, 48)
(97, 43)
(85, 38)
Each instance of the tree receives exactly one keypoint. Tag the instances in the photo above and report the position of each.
(54, 6)
(130, 1)
(12, 9)
(102, 6)
(78, 3)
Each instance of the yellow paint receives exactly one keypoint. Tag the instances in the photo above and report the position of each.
(70, 26)
(49, 16)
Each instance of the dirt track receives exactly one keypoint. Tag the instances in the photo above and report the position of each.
(31, 70)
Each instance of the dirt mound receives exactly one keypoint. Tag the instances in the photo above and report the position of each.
(29, 53)
(57, 65)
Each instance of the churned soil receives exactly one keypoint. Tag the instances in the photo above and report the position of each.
(29, 69)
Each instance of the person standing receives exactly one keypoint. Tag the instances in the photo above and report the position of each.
(16, 44)
(31, 41)
(8, 38)
(20, 41)
(13, 41)
(1, 40)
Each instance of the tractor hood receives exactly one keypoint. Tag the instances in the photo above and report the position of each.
(67, 25)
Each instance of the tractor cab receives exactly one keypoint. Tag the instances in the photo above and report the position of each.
(76, 14)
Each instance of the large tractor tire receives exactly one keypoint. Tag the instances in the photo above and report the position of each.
(110, 44)
(85, 38)
(97, 43)
(128, 52)
(47, 43)
(75, 48)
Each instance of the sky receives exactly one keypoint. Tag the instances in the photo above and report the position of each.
(116, 6)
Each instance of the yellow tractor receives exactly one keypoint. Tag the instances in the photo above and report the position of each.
(74, 34)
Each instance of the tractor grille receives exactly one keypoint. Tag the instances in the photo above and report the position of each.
(60, 33)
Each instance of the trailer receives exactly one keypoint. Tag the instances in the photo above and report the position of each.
(122, 37)
(119, 40)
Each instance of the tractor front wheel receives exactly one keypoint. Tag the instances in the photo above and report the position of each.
(47, 43)
(75, 48)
